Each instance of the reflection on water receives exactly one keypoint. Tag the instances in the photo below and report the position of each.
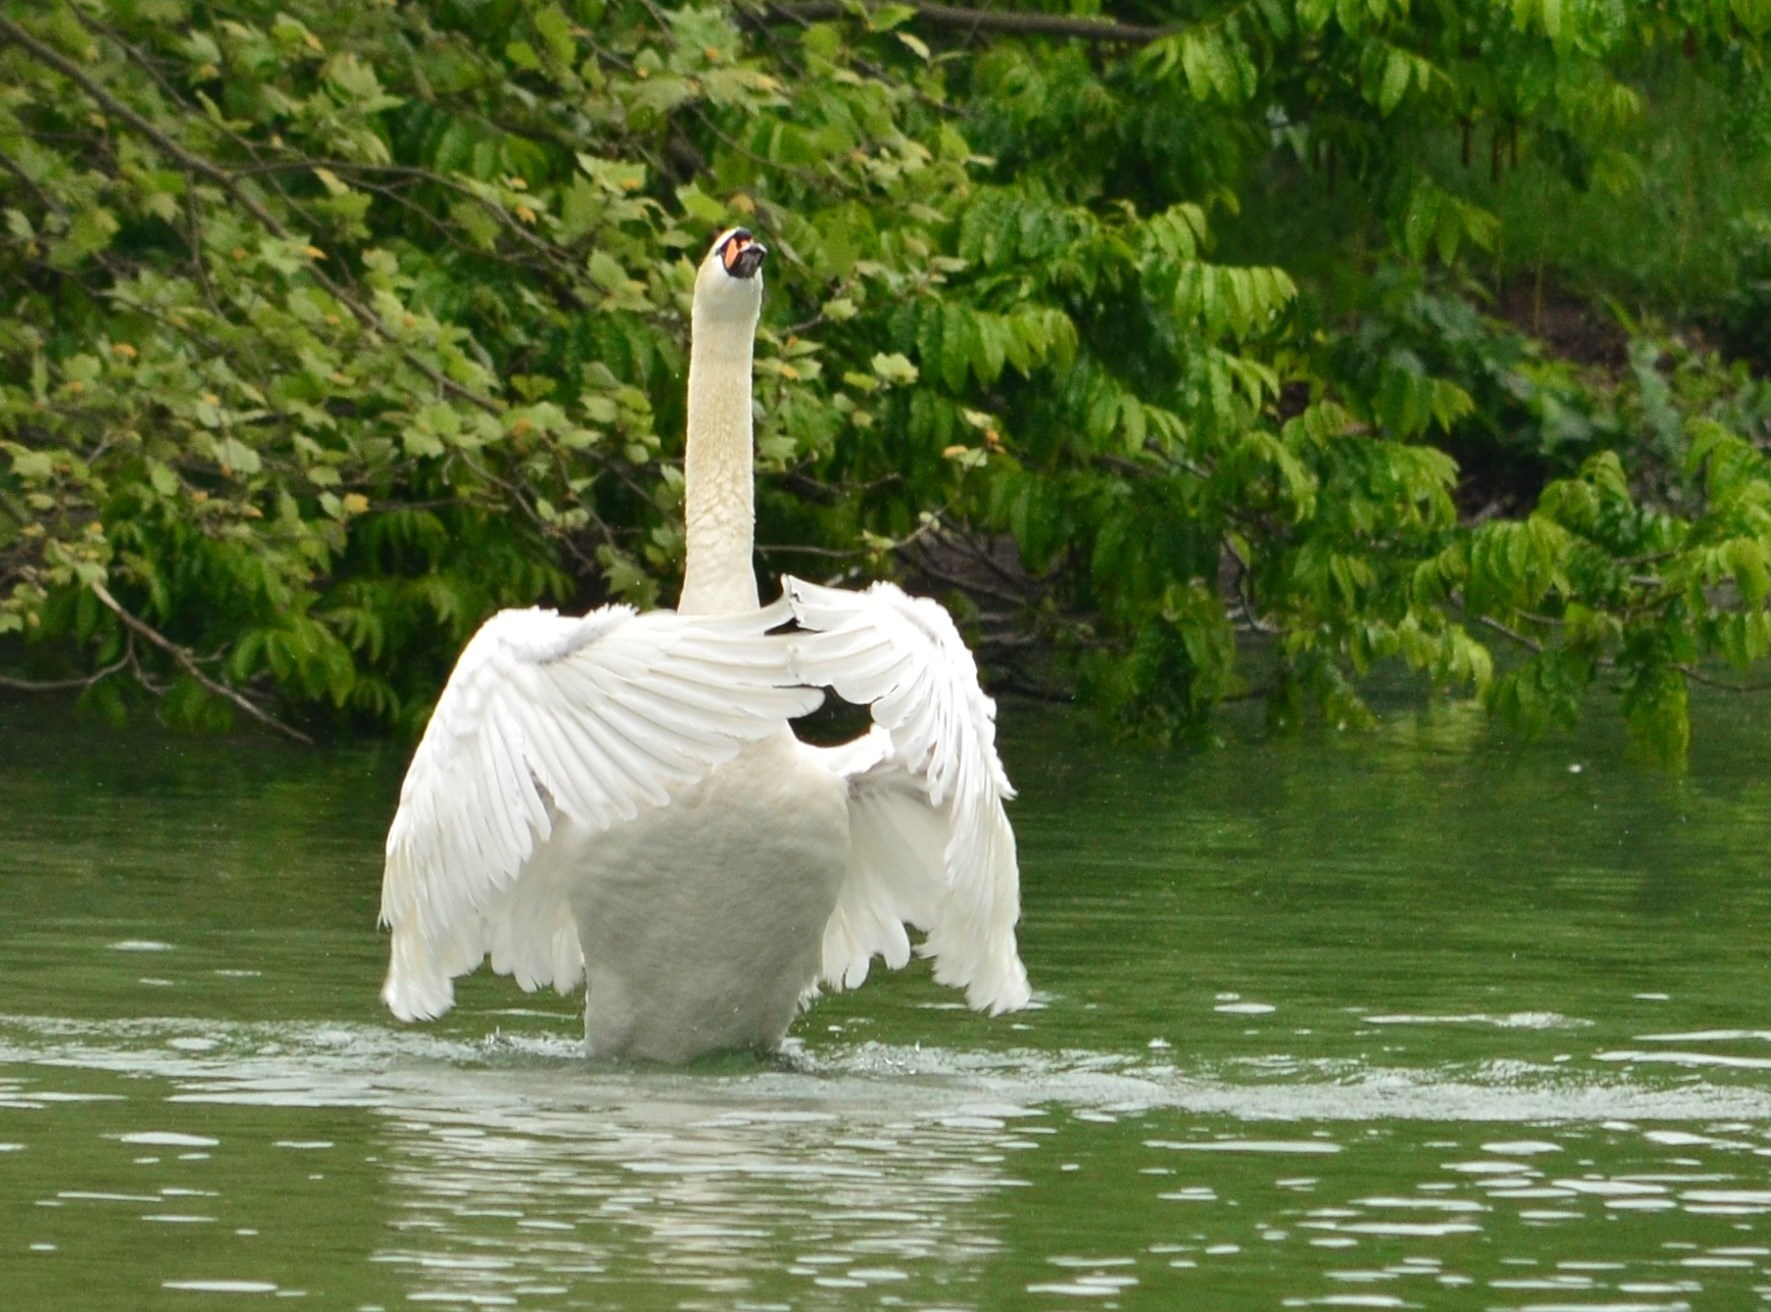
(1405, 1021)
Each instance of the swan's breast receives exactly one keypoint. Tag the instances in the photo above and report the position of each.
(702, 922)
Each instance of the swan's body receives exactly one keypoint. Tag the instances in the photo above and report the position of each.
(702, 892)
(619, 800)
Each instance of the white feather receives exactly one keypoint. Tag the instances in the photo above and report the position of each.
(547, 717)
(930, 842)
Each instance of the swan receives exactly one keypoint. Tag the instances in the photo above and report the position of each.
(618, 799)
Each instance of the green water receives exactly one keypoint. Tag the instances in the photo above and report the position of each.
(1416, 1019)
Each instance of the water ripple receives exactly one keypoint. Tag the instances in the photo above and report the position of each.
(319, 1065)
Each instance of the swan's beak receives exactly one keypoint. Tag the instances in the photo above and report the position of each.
(741, 254)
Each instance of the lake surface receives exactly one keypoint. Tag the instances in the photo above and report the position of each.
(1420, 1018)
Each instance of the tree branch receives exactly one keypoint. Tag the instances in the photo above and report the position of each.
(1685, 668)
(13, 684)
(188, 662)
(976, 20)
(1696, 675)
(1511, 634)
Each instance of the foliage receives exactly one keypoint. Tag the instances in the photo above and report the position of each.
(336, 327)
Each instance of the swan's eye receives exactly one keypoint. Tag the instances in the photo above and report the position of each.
(730, 254)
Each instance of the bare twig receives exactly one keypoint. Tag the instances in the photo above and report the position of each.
(1690, 671)
(1696, 675)
(967, 582)
(1245, 590)
(44, 199)
(1170, 460)
(65, 685)
(1014, 588)
(1013, 684)
(977, 20)
(784, 53)
(1511, 634)
(804, 549)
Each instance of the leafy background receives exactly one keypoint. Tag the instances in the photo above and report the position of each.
(1188, 350)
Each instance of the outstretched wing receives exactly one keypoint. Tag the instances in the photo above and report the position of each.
(930, 843)
(547, 716)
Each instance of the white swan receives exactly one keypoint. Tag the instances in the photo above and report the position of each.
(618, 799)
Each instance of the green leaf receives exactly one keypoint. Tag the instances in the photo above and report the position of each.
(420, 441)
(32, 466)
(355, 79)
(1750, 564)
(606, 272)
(915, 44)
(1422, 221)
(235, 456)
(555, 30)
(89, 233)
(884, 18)
(1397, 72)
(1656, 706)
(1551, 13)
(894, 367)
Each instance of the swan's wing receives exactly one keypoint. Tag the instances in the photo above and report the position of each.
(931, 845)
(547, 716)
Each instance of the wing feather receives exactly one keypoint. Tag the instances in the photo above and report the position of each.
(546, 717)
(931, 844)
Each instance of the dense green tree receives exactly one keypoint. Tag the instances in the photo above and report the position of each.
(1172, 347)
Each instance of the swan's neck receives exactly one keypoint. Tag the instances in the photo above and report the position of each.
(719, 499)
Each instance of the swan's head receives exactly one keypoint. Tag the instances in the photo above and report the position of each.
(729, 285)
